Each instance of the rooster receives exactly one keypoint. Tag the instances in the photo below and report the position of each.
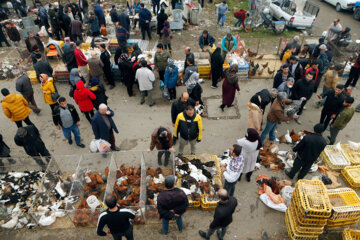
(265, 65)
(261, 56)
(250, 53)
(270, 72)
(294, 136)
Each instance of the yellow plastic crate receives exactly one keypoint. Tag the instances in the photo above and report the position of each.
(304, 220)
(351, 234)
(335, 224)
(294, 235)
(85, 46)
(345, 204)
(308, 230)
(210, 205)
(32, 76)
(352, 155)
(192, 204)
(351, 175)
(334, 159)
(310, 212)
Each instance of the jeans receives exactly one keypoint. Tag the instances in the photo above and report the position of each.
(238, 22)
(230, 187)
(222, 17)
(269, 129)
(128, 234)
(300, 164)
(211, 232)
(184, 142)
(167, 156)
(165, 224)
(333, 134)
(145, 27)
(149, 94)
(156, 4)
(75, 129)
(26, 120)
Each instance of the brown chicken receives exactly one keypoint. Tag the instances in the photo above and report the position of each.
(99, 179)
(150, 172)
(261, 56)
(106, 171)
(260, 72)
(250, 53)
(122, 168)
(294, 136)
(265, 65)
(270, 72)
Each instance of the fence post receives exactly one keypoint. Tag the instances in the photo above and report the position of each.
(278, 50)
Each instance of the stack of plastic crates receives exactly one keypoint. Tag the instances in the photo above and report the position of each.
(334, 158)
(345, 205)
(351, 176)
(351, 234)
(308, 211)
(351, 154)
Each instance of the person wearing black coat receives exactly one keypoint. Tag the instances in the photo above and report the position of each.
(127, 73)
(37, 41)
(216, 67)
(4, 153)
(104, 126)
(54, 21)
(180, 104)
(290, 45)
(281, 76)
(296, 70)
(69, 57)
(333, 104)
(189, 55)
(136, 51)
(113, 14)
(309, 49)
(223, 215)
(3, 38)
(42, 66)
(266, 96)
(66, 24)
(303, 90)
(308, 151)
(99, 91)
(161, 18)
(105, 59)
(29, 138)
(171, 204)
(124, 20)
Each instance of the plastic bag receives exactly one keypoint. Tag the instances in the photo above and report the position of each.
(286, 193)
(267, 201)
(103, 146)
(166, 94)
(44, 32)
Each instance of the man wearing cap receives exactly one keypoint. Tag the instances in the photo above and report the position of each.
(276, 115)
(124, 19)
(81, 61)
(144, 21)
(287, 86)
(342, 119)
(222, 216)
(171, 204)
(323, 62)
(146, 80)
(105, 59)
(308, 151)
(29, 138)
(333, 104)
(24, 86)
(41, 66)
(65, 117)
(228, 44)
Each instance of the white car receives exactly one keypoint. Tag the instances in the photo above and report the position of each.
(342, 4)
(296, 14)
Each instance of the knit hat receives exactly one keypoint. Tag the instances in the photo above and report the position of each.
(169, 181)
(252, 135)
(319, 128)
(21, 132)
(94, 81)
(5, 92)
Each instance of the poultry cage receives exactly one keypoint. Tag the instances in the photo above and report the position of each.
(126, 181)
(54, 193)
(154, 180)
(19, 184)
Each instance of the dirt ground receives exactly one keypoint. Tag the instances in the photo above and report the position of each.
(252, 219)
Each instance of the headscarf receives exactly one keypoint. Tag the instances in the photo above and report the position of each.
(252, 135)
(164, 142)
(74, 76)
(231, 76)
(170, 67)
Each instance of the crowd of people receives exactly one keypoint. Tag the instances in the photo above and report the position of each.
(303, 69)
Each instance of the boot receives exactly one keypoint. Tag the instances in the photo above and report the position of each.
(203, 234)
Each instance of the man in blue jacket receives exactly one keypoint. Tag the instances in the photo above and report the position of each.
(206, 41)
(113, 14)
(100, 15)
(122, 35)
(228, 44)
(104, 126)
(144, 21)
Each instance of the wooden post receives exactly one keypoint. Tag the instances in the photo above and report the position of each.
(278, 50)
(258, 45)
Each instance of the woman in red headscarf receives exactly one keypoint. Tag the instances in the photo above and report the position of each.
(250, 144)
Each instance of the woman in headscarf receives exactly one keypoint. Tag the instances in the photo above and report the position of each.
(216, 67)
(74, 78)
(255, 113)
(230, 85)
(171, 77)
(166, 39)
(250, 144)
(161, 18)
(48, 88)
(127, 72)
(136, 52)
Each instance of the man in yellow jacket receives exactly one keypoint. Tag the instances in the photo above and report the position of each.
(189, 125)
(16, 108)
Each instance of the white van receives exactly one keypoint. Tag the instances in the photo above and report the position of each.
(297, 14)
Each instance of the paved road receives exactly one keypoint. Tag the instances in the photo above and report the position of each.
(328, 13)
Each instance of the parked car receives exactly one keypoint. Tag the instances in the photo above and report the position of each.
(342, 4)
(357, 11)
(300, 17)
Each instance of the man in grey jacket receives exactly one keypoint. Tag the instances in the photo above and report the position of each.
(334, 29)
(96, 67)
(146, 80)
(23, 86)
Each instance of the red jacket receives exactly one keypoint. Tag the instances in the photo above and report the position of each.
(80, 58)
(83, 97)
(240, 14)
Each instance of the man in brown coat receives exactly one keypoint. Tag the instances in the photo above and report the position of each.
(76, 29)
(276, 115)
(96, 67)
(162, 139)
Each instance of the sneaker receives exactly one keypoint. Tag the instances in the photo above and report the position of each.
(152, 104)
(142, 102)
(70, 141)
(162, 233)
(328, 128)
(116, 149)
(203, 234)
(277, 140)
(81, 145)
(304, 108)
(298, 121)
(214, 87)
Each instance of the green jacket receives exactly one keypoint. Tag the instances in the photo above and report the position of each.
(160, 60)
(343, 118)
